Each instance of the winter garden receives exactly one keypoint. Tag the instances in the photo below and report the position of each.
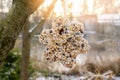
(60, 40)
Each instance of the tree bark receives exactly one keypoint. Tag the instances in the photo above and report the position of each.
(12, 25)
(25, 52)
(26, 43)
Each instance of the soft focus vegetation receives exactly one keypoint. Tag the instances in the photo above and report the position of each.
(11, 68)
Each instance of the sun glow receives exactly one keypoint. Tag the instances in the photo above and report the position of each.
(76, 8)
(45, 5)
(90, 6)
(71, 7)
(58, 8)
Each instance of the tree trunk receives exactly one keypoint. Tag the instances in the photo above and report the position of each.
(25, 52)
(26, 43)
(12, 25)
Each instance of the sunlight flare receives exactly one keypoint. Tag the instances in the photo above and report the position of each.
(76, 8)
(90, 6)
(73, 8)
(58, 8)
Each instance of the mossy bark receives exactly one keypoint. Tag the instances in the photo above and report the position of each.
(13, 24)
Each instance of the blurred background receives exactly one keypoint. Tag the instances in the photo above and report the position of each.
(101, 19)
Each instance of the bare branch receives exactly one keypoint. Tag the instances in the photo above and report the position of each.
(41, 23)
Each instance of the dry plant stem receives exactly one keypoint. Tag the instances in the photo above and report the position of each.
(91, 76)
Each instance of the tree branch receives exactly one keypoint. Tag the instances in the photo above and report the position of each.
(41, 23)
(13, 24)
(25, 51)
